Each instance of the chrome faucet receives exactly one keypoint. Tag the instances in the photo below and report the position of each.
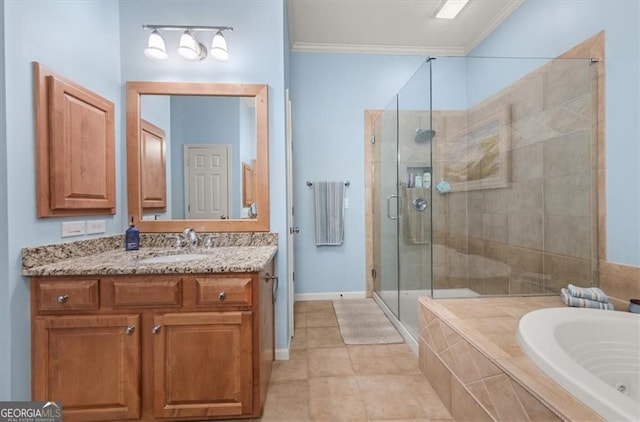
(191, 237)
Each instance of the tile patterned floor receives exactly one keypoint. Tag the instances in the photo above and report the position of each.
(326, 380)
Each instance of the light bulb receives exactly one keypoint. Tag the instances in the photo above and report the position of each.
(189, 47)
(156, 49)
(219, 47)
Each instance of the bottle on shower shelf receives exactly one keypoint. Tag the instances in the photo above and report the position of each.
(426, 180)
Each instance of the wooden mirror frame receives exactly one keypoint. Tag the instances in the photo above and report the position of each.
(261, 168)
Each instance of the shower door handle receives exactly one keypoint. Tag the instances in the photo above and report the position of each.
(389, 207)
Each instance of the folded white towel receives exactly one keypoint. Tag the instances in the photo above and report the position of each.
(591, 293)
(577, 302)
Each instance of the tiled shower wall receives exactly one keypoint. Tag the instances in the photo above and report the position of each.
(540, 231)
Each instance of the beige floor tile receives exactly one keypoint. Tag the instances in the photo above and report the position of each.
(296, 368)
(324, 380)
(332, 409)
(299, 340)
(319, 305)
(335, 399)
(329, 362)
(400, 397)
(334, 386)
(322, 318)
(287, 402)
(412, 420)
(300, 319)
(324, 337)
(381, 359)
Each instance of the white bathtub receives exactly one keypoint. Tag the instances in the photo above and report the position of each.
(594, 354)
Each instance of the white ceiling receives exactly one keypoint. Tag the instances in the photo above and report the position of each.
(392, 26)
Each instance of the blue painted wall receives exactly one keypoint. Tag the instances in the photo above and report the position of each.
(329, 95)
(88, 53)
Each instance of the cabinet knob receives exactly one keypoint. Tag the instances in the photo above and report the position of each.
(129, 330)
(268, 277)
(62, 298)
(222, 295)
(156, 329)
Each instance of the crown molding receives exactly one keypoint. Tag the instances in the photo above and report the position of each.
(495, 22)
(402, 50)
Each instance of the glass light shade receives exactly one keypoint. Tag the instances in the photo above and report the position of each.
(451, 8)
(189, 47)
(156, 49)
(219, 48)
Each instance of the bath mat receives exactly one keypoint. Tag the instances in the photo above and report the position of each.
(361, 321)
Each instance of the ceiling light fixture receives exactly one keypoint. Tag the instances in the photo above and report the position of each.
(449, 9)
(189, 47)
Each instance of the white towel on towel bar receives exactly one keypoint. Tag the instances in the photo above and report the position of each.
(329, 207)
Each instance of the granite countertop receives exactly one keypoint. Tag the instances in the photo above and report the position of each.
(119, 262)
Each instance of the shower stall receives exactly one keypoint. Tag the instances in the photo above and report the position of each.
(483, 182)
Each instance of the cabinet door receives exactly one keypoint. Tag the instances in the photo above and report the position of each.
(203, 364)
(89, 363)
(153, 178)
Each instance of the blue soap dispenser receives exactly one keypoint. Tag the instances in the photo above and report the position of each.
(132, 237)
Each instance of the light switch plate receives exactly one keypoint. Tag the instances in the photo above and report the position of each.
(96, 226)
(73, 228)
(346, 202)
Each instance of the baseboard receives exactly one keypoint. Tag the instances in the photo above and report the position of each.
(282, 354)
(303, 297)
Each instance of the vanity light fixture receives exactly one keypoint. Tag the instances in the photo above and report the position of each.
(156, 49)
(189, 47)
(449, 9)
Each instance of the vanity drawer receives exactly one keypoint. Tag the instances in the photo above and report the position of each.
(147, 293)
(67, 295)
(223, 291)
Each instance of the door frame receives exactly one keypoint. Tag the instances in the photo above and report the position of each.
(370, 117)
(290, 219)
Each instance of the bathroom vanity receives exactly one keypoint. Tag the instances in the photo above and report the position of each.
(116, 339)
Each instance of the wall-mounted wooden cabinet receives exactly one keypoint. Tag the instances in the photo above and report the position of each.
(153, 179)
(153, 347)
(75, 148)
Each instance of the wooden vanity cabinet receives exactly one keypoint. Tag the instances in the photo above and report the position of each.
(154, 347)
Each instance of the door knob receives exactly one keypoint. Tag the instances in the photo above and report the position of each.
(293, 230)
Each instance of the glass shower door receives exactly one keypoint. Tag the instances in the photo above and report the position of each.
(386, 206)
(416, 138)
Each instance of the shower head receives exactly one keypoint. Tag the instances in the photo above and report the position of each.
(424, 135)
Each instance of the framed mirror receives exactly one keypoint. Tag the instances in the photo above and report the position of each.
(209, 168)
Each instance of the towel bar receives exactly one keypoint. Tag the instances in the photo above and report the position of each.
(346, 183)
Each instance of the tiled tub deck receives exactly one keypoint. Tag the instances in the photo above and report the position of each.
(470, 355)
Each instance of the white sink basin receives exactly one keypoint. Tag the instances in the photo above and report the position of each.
(173, 259)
